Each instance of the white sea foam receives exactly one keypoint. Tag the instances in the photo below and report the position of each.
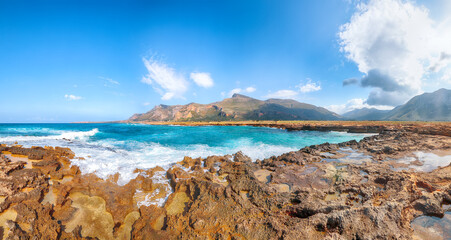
(109, 156)
(104, 159)
(63, 135)
(159, 177)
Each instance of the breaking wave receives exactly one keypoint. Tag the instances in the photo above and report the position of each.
(106, 149)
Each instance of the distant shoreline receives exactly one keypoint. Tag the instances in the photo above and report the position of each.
(434, 128)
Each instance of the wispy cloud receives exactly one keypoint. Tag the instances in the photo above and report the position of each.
(71, 97)
(356, 103)
(164, 79)
(305, 87)
(284, 94)
(239, 90)
(350, 81)
(202, 79)
(109, 80)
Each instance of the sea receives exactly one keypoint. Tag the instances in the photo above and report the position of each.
(108, 148)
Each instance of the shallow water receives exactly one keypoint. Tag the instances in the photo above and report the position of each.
(426, 227)
(425, 162)
(109, 148)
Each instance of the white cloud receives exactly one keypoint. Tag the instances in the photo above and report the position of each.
(400, 42)
(284, 94)
(202, 79)
(235, 90)
(250, 89)
(71, 97)
(356, 103)
(309, 86)
(164, 79)
(239, 90)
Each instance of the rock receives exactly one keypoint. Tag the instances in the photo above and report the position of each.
(240, 157)
(291, 196)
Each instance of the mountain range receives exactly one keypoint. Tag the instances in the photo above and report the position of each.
(434, 106)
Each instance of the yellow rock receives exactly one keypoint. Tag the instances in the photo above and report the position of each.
(126, 228)
(263, 175)
(4, 217)
(177, 205)
(282, 187)
(159, 223)
(92, 216)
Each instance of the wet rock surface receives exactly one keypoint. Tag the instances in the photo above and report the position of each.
(351, 190)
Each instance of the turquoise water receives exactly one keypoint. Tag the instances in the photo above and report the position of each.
(110, 148)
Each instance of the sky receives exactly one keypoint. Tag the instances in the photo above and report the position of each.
(69, 61)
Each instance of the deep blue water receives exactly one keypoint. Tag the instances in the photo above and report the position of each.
(109, 148)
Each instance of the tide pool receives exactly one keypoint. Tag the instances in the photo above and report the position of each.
(108, 148)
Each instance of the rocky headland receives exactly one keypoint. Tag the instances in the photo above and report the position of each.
(376, 188)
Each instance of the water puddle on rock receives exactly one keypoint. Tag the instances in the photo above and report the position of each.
(263, 175)
(20, 158)
(350, 156)
(308, 171)
(49, 197)
(421, 161)
(426, 227)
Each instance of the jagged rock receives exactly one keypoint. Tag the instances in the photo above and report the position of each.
(312, 193)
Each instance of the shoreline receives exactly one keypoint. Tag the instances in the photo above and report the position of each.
(432, 128)
(230, 196)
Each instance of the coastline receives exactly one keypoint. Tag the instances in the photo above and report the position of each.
(432, 128)
(324, 191)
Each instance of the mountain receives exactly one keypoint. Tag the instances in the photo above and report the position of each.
(366, 114)
(238, 107)
(434, 106)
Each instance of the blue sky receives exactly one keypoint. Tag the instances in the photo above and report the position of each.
(65, 61)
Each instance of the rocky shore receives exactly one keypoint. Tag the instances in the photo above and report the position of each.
(376, 188)
(432, 128)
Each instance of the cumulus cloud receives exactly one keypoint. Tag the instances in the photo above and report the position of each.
(350, 81)
(375, 78)
(202, 79)
(305, 87)
(356, 103)
(164, 79)
(309, 87)
(440, 62)
(283, 94)
(71, 97)
(396, 45)
(239, 90)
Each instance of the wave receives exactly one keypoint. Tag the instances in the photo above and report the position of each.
(105, 159)
(124, 148)
(64, 135)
